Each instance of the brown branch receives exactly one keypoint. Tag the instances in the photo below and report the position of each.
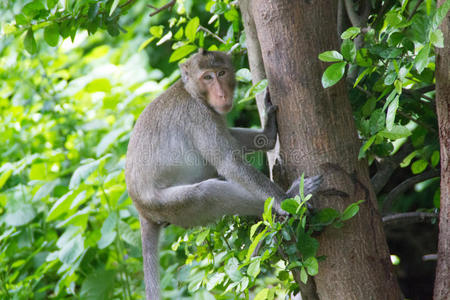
(212, 34)
(405, 185)
(387, 166)
(127, 3)
(166, 6)
(408, 218)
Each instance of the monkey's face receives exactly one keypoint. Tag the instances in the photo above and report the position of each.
(218, 85)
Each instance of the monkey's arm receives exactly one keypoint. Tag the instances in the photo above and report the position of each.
(259, 139)
(224, 153)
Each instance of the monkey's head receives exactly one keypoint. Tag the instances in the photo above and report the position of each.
(209, 75)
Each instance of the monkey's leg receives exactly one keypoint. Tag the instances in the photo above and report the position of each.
(204, 202)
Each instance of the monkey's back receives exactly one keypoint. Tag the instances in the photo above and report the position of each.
(160, 152)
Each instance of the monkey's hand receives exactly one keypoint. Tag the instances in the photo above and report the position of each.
(310, 185)
(270, 126)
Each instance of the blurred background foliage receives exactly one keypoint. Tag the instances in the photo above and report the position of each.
(74, 77)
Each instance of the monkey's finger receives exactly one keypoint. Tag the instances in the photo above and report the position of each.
(267, 100)
(271, 109)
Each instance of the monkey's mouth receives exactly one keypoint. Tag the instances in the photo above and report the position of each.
(223, 109)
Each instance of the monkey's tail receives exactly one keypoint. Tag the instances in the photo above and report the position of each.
(150, 236)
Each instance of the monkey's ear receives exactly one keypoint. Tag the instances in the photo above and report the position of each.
(202, 51)
(184, 71)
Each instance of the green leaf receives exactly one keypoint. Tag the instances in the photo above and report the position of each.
(363, 59)
(51, 34)
(113, 7)
(303, 275)
(165, 38)
(290, 205)
(407, 160)
(333, 74)
(312, 266)
(244, 75)
(440, 14)
(51, 3)
(214, 280)
(20, 215)
(60, 207)
(350, 211)
(4, 177)
(145, 43)
(108, 140)
(29, 42)
(330, 56)
(232, 269)
(179, 34)
(255, 243)
(157, 31)
(419, 166)
(421, 60)
(45, 190)
(397, 132)
(98, 285)
(253, 229)
(377, 121)
(191, 29)
(254, 268)
(327, 215)
(366, 146)
(392, 110)
(108, 231)
(435, 158)
(262, 294)
(82, 173)
(72, 250)
(348, 50)
(267, 214)
(201, 237)
(182, 52)
(350, 33)
(33, 8)
(437, 38)
(307, 245)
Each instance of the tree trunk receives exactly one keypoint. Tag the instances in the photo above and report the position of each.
(318, 136)
(442, 282)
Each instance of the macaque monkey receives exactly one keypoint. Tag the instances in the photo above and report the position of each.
(185, 167)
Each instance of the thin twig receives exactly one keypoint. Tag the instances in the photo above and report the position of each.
(212, 34)
(354, 18)
(414, 10)
(405, 185)
(166, 6)
(408, 218)
(127, 3)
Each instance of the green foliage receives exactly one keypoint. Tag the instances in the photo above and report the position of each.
(68, 103)
(393, 62)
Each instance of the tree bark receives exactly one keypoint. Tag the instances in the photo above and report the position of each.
(318, 136)
(442, 282)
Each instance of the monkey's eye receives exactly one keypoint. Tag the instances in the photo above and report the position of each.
(207, 77)
(221, 73)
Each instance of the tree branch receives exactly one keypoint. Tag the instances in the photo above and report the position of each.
(414, 10)
(405, 185)
(387, 166)
(166, 6)
(408, 218)
(212, 34)
(354, 18)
